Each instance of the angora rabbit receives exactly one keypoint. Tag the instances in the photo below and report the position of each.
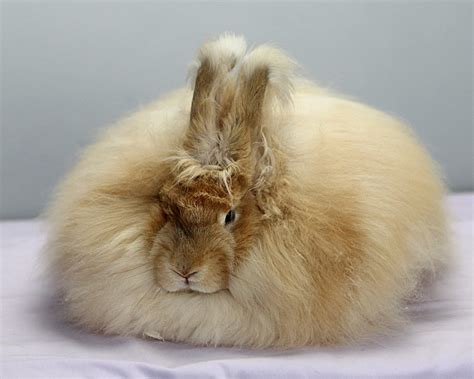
(253, 209)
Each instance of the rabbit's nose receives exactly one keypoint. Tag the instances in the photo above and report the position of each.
(186, 275)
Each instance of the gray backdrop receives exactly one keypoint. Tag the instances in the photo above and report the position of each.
(69, 68)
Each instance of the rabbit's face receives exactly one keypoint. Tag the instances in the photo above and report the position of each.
(205, 236)
(210, 211)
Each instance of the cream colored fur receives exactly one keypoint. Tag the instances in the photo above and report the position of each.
(351, 211)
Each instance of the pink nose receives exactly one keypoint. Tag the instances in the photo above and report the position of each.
(186, 275)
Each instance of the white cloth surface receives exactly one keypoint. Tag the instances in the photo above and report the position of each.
(36, 343)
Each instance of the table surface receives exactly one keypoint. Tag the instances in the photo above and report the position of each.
(35, 342)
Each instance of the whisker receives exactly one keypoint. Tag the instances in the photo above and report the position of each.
(129, 269)
(139, 273)
(144, 295)
(250, 284)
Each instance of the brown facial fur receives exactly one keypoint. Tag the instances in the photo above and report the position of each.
(193, 239)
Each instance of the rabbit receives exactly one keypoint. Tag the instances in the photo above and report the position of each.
(252, 208)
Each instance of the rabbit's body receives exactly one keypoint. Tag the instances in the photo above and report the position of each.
(346, 219)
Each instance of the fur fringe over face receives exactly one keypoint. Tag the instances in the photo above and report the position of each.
(252, 209)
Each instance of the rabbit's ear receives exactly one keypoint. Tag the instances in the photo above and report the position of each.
(266, 71)
(233, 94)
(213, 62)
(264, 80)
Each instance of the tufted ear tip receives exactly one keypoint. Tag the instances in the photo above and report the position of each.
(223, 52)
(280, 70)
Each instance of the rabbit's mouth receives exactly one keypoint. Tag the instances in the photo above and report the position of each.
(192, 288)
(195, 291)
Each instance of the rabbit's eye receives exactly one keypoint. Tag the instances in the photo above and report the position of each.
(229, 217)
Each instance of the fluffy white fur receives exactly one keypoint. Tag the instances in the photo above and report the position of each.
(352, 210)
